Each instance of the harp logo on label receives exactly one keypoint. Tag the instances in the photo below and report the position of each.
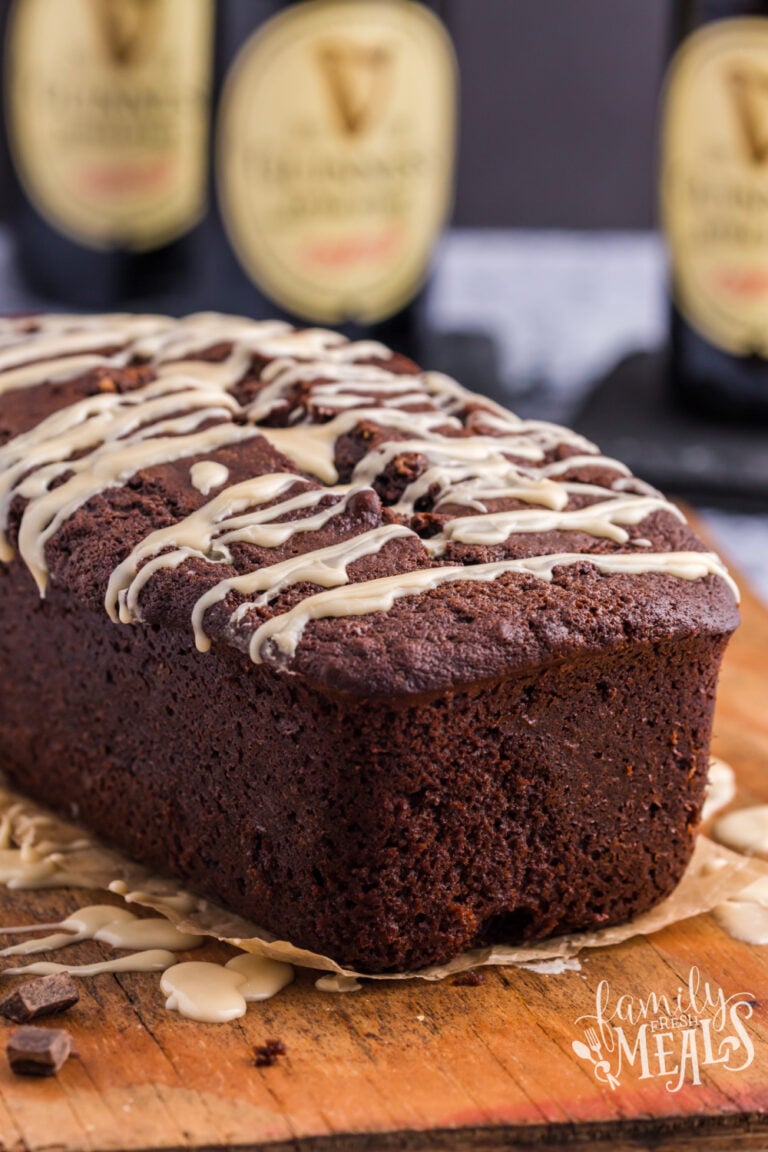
(358, 78)
(667, 1037)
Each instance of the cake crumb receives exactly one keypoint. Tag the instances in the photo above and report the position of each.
(267, 1054)
(469, 979)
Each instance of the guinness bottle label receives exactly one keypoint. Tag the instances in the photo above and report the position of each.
(107, 108)
(715, 182)
(335, 155)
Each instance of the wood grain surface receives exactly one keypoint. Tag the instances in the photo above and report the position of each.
(409, 1065)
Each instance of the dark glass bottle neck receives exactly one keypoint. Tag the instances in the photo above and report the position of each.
(693, 13)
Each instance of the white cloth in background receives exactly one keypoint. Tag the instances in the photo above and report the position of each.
(563, 306)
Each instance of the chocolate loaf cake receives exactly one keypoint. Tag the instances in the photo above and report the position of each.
(343, 646)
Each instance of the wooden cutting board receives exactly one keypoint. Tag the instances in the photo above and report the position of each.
(415, 1065)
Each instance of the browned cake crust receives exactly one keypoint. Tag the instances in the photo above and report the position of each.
(513, 753)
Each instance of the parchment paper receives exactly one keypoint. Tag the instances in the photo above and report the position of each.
(714, 875)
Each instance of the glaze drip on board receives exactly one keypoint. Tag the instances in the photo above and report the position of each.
(745, 916)
(745, 830)
(152, 941)
(114, 926)
(201, 990)
(151, 960)
(303, 391)
(215, 993)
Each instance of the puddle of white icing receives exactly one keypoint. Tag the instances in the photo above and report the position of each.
(745, 916)
(745, 830)
(203, 991)
(154, 960)
(215, 993)
(114, 926)
(721, 788)
(334, 983)
(263, 978)
(757, 892)
(744, 920)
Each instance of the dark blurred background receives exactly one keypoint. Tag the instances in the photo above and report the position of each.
(558, 122)
(559, 111)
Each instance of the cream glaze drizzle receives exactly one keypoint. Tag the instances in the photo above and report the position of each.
(284, 631)
(600, 520)
(188, 411)
(93, 427)
(48, 508)
(65, 368)
(325, 566)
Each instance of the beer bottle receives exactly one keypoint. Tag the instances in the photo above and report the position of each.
(714, 203)
(333, 160)
(107, 111)
(265, 157)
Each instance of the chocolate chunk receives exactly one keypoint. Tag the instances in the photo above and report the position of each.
(38, 1051)
(267, 1054)
(44, 997)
